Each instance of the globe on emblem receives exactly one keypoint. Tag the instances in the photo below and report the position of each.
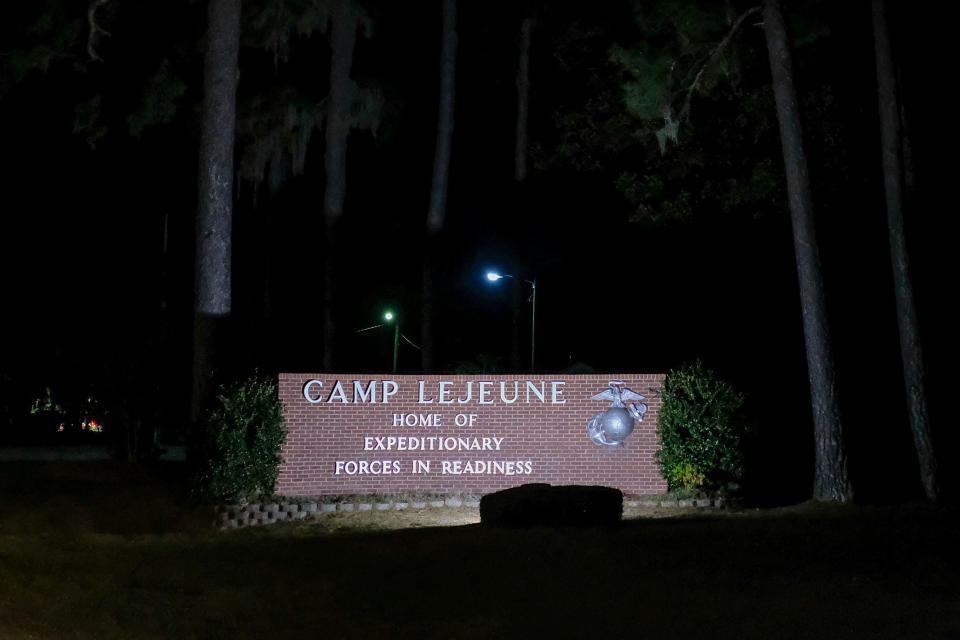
(616, 424)
(609, 428)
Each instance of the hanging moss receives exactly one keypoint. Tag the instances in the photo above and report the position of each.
(159, 101)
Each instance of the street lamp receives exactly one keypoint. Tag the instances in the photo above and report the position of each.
(389, 317)
(493, 276)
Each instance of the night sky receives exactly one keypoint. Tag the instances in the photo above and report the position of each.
(96, 240)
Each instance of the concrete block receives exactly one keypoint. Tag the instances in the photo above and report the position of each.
(685, 503)
(668, 503)
(291, 507)
(454, 502)
(473, 504)
(273, 507)
(383, 506)
(345, 506)
(328, 508)
(309, 507)
(418, 505)
(401, 505)
(364, 506)
(436, 503)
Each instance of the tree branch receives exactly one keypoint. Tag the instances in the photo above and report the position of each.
(96, 31)
(713, 54)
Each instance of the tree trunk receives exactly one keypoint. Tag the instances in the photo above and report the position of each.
(215, 193)
(893, 180)
(520, 173)
(426, 307)
(441, 173)
(329, 294)
(831, 477)
(523, 101)
(343, 33)
(906, 147)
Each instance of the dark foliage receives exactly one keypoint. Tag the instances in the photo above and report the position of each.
(244, 436)
(700, 430)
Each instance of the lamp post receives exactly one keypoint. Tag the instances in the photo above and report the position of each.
(493, 276)
(389, 317)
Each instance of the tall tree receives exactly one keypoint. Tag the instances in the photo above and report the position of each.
(523, 100)
(343, 36)
(520, 153)
(441, 174)
(681, 59)
(276, 126)
(892, 144)
(212, 299)
(831, 476)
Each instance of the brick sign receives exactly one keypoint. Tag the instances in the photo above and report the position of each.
(388, 434)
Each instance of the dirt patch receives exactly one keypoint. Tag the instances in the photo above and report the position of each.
(411, 518)
(389, 519)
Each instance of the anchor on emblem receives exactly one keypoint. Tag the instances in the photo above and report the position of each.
(609, 428)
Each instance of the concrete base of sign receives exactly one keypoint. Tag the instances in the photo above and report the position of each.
(236, 516)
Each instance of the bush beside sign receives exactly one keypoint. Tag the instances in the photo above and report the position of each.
(351, 433)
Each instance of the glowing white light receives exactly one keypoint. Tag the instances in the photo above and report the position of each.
(493, 276)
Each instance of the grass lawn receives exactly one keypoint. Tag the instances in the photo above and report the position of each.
(100, 550)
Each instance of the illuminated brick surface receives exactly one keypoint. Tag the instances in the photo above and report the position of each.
(539, 441)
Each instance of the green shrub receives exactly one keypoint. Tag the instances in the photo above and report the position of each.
(700, 431)
(244, 435)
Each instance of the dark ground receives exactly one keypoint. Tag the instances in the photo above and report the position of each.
(98, 550)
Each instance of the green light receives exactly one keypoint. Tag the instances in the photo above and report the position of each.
(388, 316)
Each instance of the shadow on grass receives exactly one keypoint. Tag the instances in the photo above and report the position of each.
(62, 498)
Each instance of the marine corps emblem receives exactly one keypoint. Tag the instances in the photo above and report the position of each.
(609, 428)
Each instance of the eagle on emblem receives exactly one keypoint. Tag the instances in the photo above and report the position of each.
(609, 428)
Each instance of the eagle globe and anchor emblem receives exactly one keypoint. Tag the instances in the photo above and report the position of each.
(609, 428)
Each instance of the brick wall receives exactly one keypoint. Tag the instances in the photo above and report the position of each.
(330, 441)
